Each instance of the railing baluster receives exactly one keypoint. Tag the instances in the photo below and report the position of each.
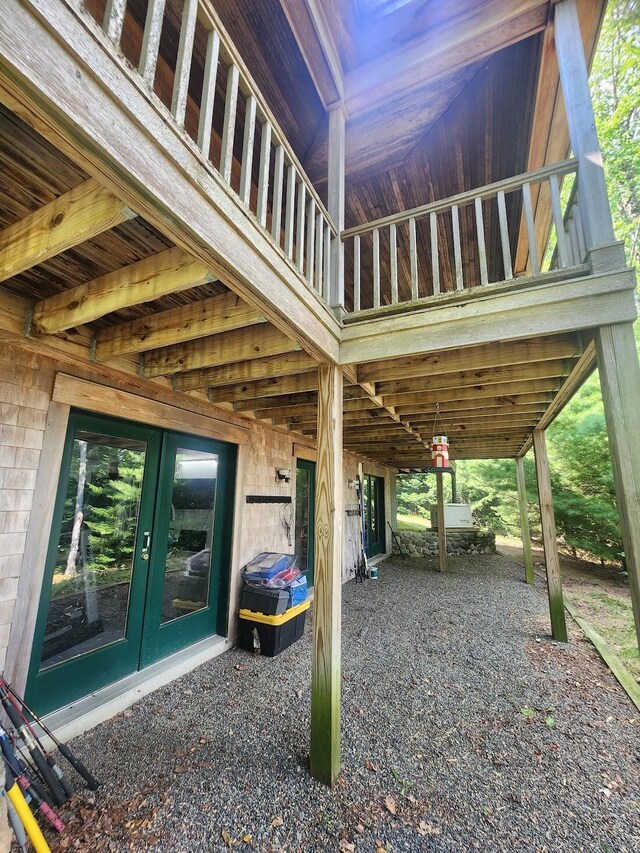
(531, 231)
(311, 240)
(376, 268)
(457, 250)
(278, 181)
(356, 273)
(114, 19)
(289, 213)
(504, 236)
(302, 198)
(482, 251)
(247, 150)
(413, 252)
(573, 243)
(151, 41)
(183, 63)
(263, 175)
(319, 251)
(393, 261)
(326, 291)
(208, 92)
(435, 260)
(563, 257)
(582, 246)
(229, 124)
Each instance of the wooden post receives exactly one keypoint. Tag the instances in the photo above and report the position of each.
(574, 77)
(524, 521)
(325, 675)
(620, 383)
(554, 583)
(335, 200)
(442, 530)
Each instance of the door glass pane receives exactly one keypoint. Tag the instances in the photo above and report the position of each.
(91, 582)
(303, 504)
(188, 566)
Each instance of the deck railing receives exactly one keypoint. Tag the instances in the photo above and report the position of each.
(209, 93)
(443, 246)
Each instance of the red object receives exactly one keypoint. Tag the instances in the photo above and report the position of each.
(440, 451)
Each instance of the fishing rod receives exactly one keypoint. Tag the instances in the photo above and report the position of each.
(18, 773)
(16, 824)
(51, 761)
(36, 753)
(19, 803)
(75, 762)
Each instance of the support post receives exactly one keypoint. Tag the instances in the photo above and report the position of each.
(325, 676)
(442, 530)
(574, 78)
(620, 383)
(554, 582)
(335, 200)
(524, 521)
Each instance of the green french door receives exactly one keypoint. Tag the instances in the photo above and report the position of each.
(138, 557)
(374, 516)
(305, 516)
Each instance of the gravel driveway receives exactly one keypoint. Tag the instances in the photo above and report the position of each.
(464, 728)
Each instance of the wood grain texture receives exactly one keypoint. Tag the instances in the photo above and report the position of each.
(554, 581)
(245, 371)
(524, 521)
(442, 530)
(620, 383)
(325, 672)
(78, 215)
(198, 319)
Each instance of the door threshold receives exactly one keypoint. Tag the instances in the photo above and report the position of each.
(88, 712)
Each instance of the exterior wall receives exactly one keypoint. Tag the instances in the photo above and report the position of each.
(424, 543)
(29, 418)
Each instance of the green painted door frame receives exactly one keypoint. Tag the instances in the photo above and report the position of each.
(374, 515)
(144, 640)
(305, 514)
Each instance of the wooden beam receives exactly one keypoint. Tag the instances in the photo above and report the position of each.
(397, 393)
(463, 40)
(490, 406)
(554, 581)
(335, 204)
(265, 388)
(283, 401)
(211, 316)
(620, 383)
(325, 673)
(80, 214)
(257, 369)
(442, 529)
(215, 350)
(483, 357)
(506, 392)
(159, 275)
(524, 521)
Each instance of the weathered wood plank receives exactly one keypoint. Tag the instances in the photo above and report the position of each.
(229, 124)
(356, 273)
(183, 61)
(435, 256)
(506, 390)
(319, 250)
(80, 214)
(457, 250)
(151, 41)
(556, 209)
(442, 530)
(325, 672)
(336, 204)
(263, 173)
(393, 259)
(215, 350)
(482, 251)
(311, 241)
(278, 186)
(504, 236)
(113, 20)
(290, 211)
(263, 388)
(300, 248)
(413, 253)
(205, 121)
(524, 521)
(246, 168)
(187, 322)
(245, 371)
(376, 268)
(158, 275)
(531, 231)
(554, 582)
(620, 383)
(326, 287)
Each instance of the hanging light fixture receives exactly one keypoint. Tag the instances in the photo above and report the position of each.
(439, 443)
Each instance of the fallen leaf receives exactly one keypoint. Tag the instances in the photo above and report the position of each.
(277, 821)
(247, 838)
(425, 828)
(360, 829)
(390, 803)
(228, 840)
(369, 766)
(127, 713)
(346, 846)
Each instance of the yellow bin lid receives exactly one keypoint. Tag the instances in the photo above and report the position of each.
(291, 613)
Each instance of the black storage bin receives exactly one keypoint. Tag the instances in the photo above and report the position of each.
(271, 602)
(275, 633)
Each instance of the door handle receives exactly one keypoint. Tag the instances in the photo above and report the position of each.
(146, 544)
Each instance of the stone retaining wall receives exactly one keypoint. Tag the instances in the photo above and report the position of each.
(424, 543)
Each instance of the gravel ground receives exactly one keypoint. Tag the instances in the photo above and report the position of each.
(464, 728)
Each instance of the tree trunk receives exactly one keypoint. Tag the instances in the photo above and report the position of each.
(72, 559)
